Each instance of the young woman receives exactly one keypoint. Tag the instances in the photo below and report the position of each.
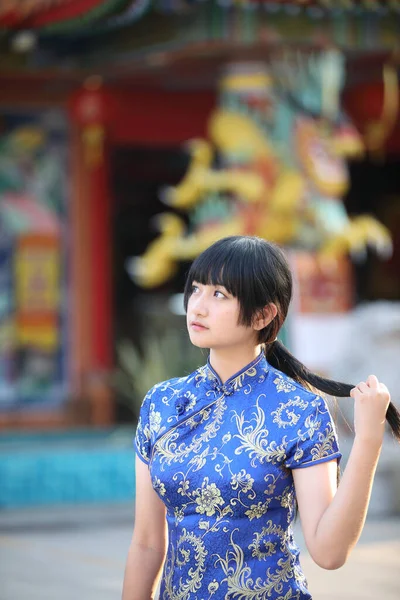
(227, 455)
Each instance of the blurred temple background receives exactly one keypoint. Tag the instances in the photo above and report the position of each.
(132, 134)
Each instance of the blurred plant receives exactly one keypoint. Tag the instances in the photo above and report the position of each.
(163, 356)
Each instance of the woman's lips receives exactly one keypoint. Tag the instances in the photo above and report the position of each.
(197, 326)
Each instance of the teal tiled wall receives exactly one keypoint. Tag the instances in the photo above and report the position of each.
(68, 468)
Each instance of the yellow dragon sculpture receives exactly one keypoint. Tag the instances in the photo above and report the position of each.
(283, 173)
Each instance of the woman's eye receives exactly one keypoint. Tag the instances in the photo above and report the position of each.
(195, 289)
(219, 294)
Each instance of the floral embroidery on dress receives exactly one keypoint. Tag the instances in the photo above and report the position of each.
(207, 498)
(154, 419)
(283, 385)
(242, 480)
(288, 413)
(158, 486)
(220, 457)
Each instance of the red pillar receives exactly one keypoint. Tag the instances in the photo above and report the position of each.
(92, 263)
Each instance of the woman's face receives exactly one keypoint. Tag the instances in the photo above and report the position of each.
(213, 319)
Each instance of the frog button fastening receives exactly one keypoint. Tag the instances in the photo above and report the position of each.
(228, 389)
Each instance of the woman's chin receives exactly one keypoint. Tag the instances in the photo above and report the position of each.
(198, 342)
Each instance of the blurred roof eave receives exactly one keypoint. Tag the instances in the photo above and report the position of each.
(144, 45)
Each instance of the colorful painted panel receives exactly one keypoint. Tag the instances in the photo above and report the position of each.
(33, 260)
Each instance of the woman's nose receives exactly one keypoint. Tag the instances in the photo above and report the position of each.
(200, 306)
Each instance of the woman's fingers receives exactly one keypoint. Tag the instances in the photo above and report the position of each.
(365, 387)
(361, 387)
(373, 382)
(371, 401)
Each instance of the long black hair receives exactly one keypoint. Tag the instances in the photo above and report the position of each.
(257, 273)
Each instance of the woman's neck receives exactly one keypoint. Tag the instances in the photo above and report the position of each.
(227, 362)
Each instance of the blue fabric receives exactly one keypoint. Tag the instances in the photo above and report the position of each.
(220, 458)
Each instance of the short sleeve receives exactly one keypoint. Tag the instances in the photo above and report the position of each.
(316, 437)
(142, 441)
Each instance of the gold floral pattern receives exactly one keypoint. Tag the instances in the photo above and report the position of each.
(158, 486)
(262, 545)
(256, 511)
(221, 457)
(283, 385)
(286, 415)
(213, 587)
(254, 438)
(242, 480)
(207, 498)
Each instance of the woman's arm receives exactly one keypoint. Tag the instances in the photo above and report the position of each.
(148, 545)
(333, 518)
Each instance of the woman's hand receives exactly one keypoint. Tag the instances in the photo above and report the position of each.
(371, 401)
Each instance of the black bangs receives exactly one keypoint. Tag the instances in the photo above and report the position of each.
(231, 263)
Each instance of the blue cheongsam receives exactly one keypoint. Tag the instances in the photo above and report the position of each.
(221, 459)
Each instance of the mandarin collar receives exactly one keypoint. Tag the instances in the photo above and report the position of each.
(254, 372)
(248, 374)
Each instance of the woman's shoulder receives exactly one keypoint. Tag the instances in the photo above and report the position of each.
(173, 387)
(297, 408)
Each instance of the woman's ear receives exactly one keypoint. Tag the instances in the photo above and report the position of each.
(265, 316)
